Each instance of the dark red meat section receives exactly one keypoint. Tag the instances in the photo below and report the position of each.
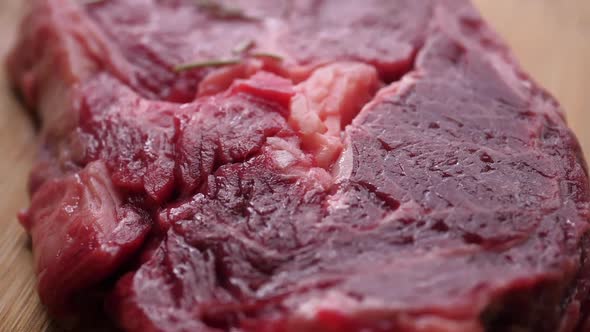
(299, 166)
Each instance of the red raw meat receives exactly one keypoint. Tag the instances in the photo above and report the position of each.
(299, 166)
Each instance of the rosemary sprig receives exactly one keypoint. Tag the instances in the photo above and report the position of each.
(91, 2)
(220, 10)
(240, 51)
(272, 56)
(243, 47)
(205, 64)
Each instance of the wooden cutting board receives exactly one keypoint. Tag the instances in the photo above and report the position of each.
(550, 37)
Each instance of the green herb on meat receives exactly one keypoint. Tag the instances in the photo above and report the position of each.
(205, 64)
(220, 10)
(91, 2)
(272, 56)
(243, 47)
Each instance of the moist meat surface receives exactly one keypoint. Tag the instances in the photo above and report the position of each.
(295, 166)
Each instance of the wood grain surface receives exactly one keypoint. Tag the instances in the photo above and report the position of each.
(550, 37)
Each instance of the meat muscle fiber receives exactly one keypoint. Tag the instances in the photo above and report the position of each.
(298, 166)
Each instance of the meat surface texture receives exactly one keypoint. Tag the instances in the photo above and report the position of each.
(298, 166)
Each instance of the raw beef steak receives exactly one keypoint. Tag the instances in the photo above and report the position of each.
(299, 166)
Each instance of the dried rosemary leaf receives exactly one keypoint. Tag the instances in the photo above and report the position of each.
(272, 56)
(220, 10)
(243, 47)
(91, 2)
(205, 64)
